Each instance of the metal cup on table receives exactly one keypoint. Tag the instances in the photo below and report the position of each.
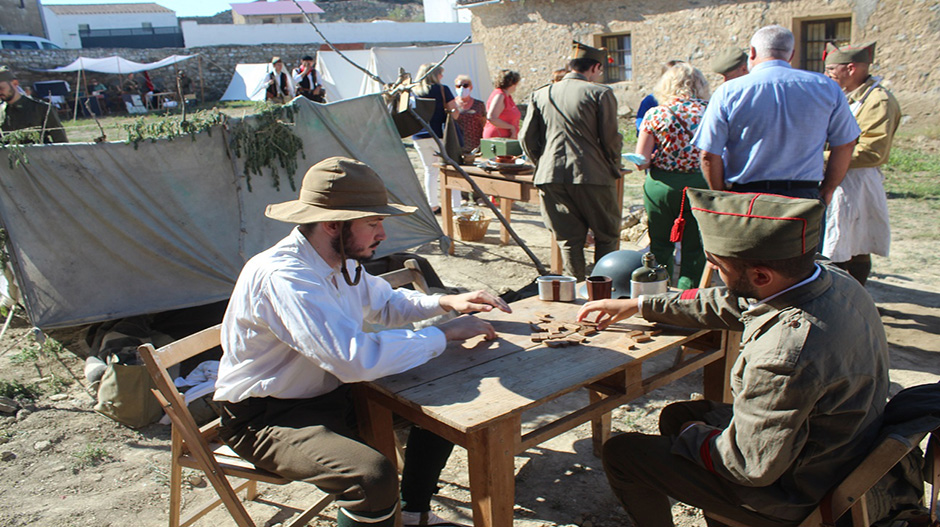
(599, 287)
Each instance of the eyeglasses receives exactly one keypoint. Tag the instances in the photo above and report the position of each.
(465, 85)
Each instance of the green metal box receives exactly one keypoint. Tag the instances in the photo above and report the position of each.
(499, 146)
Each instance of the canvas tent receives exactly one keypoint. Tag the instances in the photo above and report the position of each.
(105, 231)
(116, 65)
(342, 80)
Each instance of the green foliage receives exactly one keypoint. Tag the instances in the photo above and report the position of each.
(13, 142)
(92, 455)
(912, 174)
(29, 353)
(17, 390)
(267, 142)
(173, 126)
(58, 384)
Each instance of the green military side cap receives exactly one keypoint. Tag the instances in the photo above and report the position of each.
(583, 51)
(756, 226)
(6, 75)
(729, 60)
(862, 53)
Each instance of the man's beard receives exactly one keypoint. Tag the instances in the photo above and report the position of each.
(742, 287)
(355, 252)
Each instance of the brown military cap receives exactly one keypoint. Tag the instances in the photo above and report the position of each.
(729, 60)
(861, 53)
(756, 226)
(583, 51)
(6, 74)
(338, 189)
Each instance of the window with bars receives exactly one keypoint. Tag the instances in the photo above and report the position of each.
(620, 68)
(816, 34)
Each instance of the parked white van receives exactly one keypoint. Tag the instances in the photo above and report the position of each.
(25, 42)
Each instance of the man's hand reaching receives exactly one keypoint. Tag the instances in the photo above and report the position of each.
(475, 301)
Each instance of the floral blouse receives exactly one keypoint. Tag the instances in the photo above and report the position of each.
(672, 125)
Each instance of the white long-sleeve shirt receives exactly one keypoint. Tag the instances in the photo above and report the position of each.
(293, 327)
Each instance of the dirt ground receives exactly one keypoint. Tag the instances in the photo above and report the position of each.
(72, 467)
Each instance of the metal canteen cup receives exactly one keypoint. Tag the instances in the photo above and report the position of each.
(554, 288)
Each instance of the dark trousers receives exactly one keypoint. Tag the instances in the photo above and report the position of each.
(662, 197)
(644, 473)
(317, 440)
(569, 210)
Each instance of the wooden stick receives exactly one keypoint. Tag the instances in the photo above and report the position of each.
(7, 323)
(446, 56)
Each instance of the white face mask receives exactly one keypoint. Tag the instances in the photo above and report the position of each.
(463, 92)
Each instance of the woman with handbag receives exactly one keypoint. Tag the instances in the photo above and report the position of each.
(502, 114)
(683, 94)
(431, 88)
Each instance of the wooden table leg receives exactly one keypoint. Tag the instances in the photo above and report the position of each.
(556, 263)
(376, 425)
(600, 427)
(492, 473)
(717, 375)
(505, 206)
(447, 211)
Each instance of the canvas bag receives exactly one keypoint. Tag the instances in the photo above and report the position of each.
(453, 142)
(124, 395)
(405, 123)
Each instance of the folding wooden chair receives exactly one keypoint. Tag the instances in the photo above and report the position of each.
(200, 448)
(410, 274)
(849, 495)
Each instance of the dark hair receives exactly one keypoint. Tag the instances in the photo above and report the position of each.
(795, 267)
(306, 57)
(669, 64)
(506, 78)
(581, 65)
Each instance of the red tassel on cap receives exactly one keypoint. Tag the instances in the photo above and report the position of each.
(678, 226)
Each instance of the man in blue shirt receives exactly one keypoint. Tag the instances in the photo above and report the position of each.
(771, 126)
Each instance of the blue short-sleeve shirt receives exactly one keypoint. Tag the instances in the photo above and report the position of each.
(774, 123)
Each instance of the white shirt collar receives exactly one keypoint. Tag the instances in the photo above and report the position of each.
(814, 276)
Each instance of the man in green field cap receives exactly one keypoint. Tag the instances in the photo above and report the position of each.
(22, 112)
(730, 63)
(857, 218)
(570, 133)
(293, 341)
(808, 388)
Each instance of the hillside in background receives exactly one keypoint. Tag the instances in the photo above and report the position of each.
(346, 11)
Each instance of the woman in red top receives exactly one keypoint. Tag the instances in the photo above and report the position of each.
(502, 115)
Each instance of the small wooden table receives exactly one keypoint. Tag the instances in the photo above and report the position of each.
(475, 393)
(508, 188)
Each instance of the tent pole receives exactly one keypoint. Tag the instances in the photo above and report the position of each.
(78, 84)
(202, 84)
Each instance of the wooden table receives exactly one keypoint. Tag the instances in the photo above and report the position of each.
(475, 393)
(508, 188)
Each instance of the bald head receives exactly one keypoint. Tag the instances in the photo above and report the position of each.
(772, 43)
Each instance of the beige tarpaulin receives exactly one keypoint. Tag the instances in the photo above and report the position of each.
(104, 231)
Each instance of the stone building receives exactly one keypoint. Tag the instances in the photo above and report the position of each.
(277, 12)
(533, 37)
(21, 17)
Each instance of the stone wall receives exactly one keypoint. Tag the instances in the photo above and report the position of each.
(218, 63)
(534, 36)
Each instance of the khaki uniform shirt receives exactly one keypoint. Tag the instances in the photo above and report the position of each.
(27, 112)
(878, 117)
(809, 389)
(570, 133)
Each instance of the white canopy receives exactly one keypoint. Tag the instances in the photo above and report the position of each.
(118, 65)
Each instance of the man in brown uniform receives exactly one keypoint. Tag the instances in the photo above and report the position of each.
(21, 112)
(570, 133)
(857, 219)
(808, 388)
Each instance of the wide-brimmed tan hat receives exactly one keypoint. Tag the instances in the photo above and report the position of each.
(338, 189)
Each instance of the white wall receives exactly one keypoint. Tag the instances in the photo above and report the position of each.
(63, 29)
(444, 11)
(197, 35)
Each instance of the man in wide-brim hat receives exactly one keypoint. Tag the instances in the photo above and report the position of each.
(293, 340)
(808, 389)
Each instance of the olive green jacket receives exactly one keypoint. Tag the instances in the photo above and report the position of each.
(878, 116)
(27, 112)
(570, 133)
(809, 389)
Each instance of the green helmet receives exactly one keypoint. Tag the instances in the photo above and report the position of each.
(619, 266)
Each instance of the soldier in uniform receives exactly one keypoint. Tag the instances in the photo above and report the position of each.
(808, 388)
(730, 63)
(570, 133)
(857, 218)
(21, 112)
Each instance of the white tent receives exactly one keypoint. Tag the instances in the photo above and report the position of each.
(117, 65)
(105, 231)
(343, 81)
